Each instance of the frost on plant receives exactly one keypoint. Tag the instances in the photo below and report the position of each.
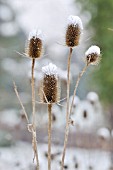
(93, 55)
(36, 33)
(34, 44)
(50, 69)
(76, 21)
(73, 31)
(50, 85)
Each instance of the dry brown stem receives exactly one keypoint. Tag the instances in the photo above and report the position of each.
(76, 86)
(33, 93)
(34, 140)
(49, 135)
(23, 108)
(67, 109)
(30, 127)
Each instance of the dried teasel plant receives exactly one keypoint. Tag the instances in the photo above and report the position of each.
(49, 94)
(50, 84)
(49, 91)
(74, 30)
(34, 44)
(92, 57)
(72, 37)
(33, 49)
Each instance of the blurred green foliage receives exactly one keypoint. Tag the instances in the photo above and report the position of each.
(102, 23)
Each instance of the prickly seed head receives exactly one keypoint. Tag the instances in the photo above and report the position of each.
(73, 31)
(34, 44)
(50, 84)
(92, 55)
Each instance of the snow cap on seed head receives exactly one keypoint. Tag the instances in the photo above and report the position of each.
(50, 84)
(35, 33)
(50, 69)
(75, 20)
(73, 31)
(92, 55)
(93, 49)
(34, 44)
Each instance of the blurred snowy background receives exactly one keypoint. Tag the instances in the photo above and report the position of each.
(91, 135)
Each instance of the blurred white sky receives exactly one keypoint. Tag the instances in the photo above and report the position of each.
(48, 15)
(51, 17)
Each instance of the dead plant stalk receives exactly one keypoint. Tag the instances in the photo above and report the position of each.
(49, 135)
(76, 86)
(67, 109)
(34, 140)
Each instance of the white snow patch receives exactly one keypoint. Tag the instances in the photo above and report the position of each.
(9, 117)
(84, 116)
(75, 20)
(35, 33)
(92, 96)
(93, 49)
(50, 69)
(20, 157)
(104, 132)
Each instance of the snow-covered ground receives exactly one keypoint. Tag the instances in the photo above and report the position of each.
(19, 157)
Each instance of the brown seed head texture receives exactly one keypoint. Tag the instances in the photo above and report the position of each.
(50, 89)
(34, 47)
(73, 35)
(93, 59)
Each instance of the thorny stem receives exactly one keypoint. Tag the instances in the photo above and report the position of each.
(67, 109)
(34, 141)
(49, 135)
(76, 86)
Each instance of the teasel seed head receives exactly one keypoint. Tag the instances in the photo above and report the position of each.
(34, 44)
(50, 84)
(73, 31)
(92, 55)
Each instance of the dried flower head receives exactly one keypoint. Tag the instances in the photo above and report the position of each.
(34, 44)
(50, 85)
(92, 55)
(74, 30)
